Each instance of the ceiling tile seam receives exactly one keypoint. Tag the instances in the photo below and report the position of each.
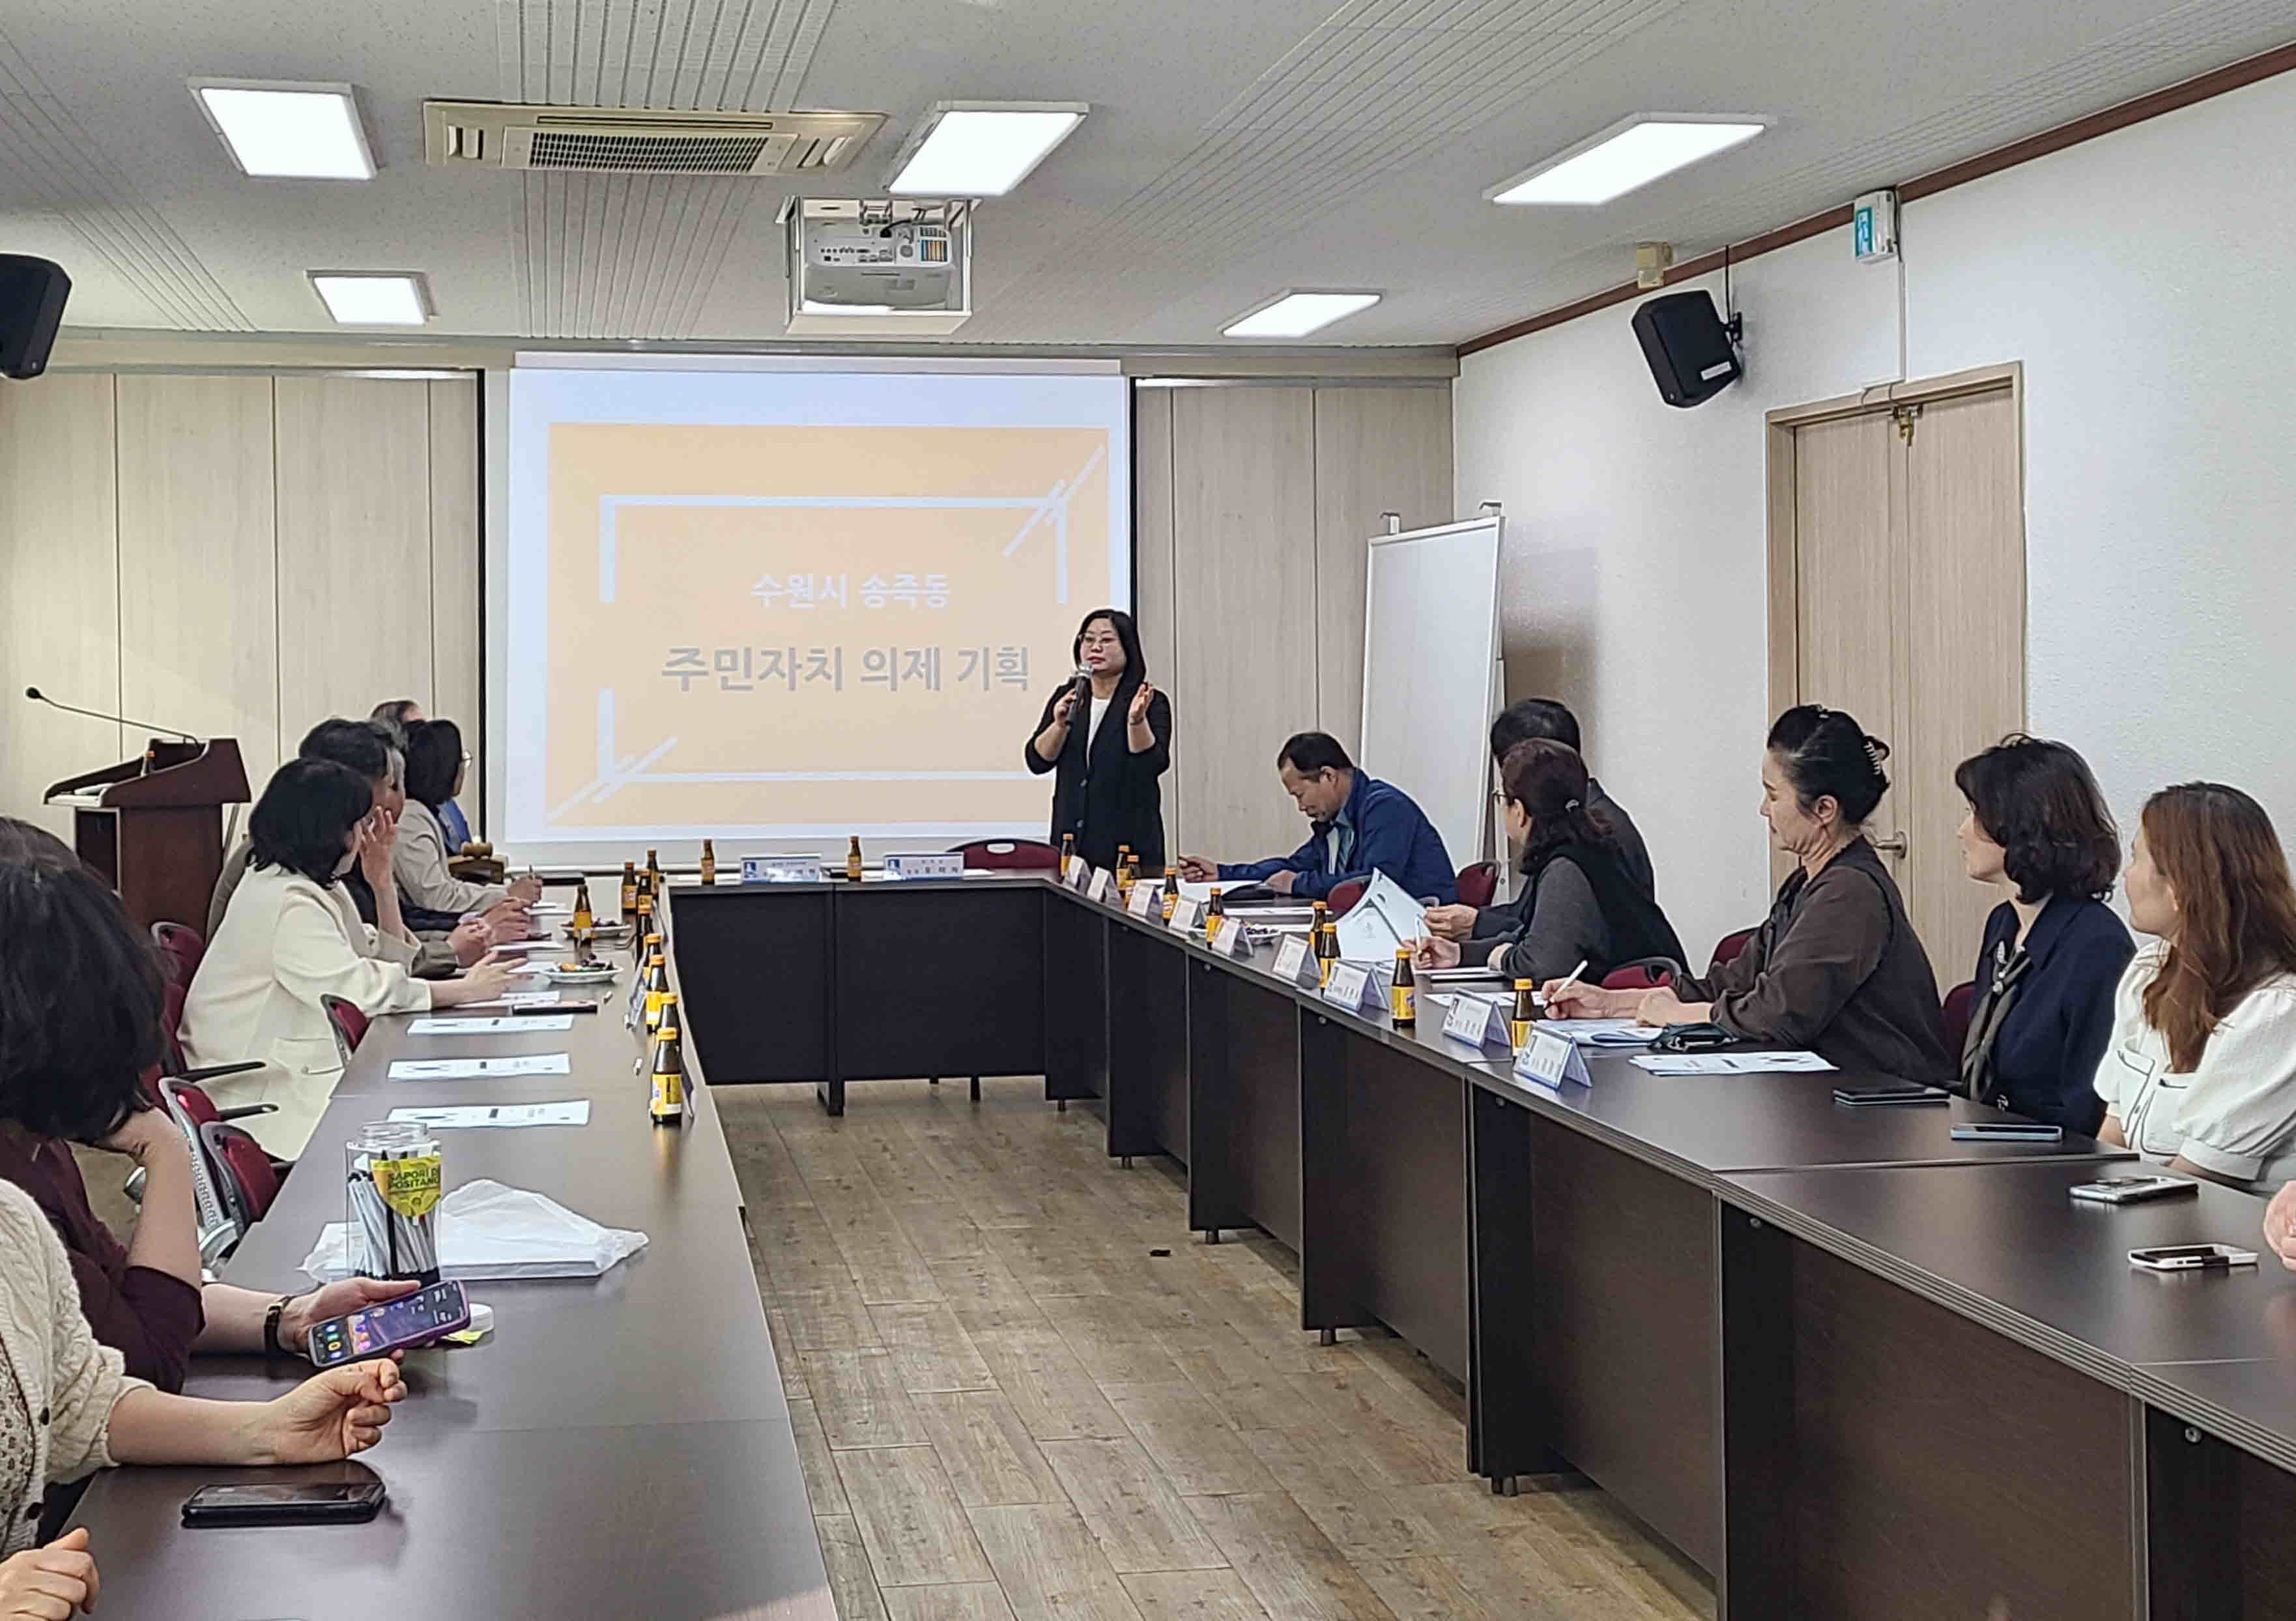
(685, 236)
(597, 200)
(630, 257)
(126, 237)
(51, 140)
(736, 215)
(614, 274)
(652, 240)
(779, 27)
(721, 97)
(710, 218)
(630, 52)
(645, 316)
(789, 85)
(653, 53)
(689, 89)
(522, 261)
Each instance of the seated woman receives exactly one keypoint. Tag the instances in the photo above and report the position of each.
(290, 936)
(2201, 1071)
(1836, 967)
(1583, 904)
(66, 1410)
(2039, 830)
(435, 762)
(79, 1022)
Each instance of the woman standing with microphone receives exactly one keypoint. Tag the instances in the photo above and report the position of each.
(1108, 734)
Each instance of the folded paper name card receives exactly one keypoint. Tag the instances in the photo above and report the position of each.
(1353, 986)
(781, 870)
(1549, 1059)
(1478, 1021)
(925, 866)
(1186, 914)
(1147, 900)
(1295, 964)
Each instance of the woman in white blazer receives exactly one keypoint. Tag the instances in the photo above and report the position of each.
(435, 763)
(66, 1410)
(291, 936)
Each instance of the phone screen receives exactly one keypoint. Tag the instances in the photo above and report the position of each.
(281, 1496)
(406, 1321)
(2181, 1252)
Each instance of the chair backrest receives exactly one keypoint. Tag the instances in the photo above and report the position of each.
(1010, 855)
(1646, 975)
(191, 1109)
(1958, 1002)
(181, 947)
(243, 1173)
(1479, 883)
(1729, 946)
(349, 1023)
(1344, 895)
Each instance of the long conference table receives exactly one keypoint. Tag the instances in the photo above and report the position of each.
(1849, 1366)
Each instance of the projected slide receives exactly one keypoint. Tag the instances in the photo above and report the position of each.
(781, 608)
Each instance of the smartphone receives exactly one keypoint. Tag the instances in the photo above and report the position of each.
(2006, 1131)
(394, 1325)
(2132, 1190)
(321, 1504)
(2191, 1258)
(1871, 1097)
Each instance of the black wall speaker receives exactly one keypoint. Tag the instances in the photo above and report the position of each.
(31, 308)
(1687, 346)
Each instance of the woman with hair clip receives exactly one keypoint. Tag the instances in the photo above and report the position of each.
(1836, 967)
(2201, 1072)
(1583, 904)
(1106, 791)
(2039, 830)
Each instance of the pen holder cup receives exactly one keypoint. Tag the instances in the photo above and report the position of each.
(393, 1180)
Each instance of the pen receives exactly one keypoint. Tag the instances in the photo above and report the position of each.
(1573, 977)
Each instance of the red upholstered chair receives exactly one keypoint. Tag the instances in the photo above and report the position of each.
(181, 947)
(1010, 855)
(1958, 1002)
(1479, 883)
(1344, 895)
(1646, 975)
(349, 1023)
(244, 1173)
(1729, 946)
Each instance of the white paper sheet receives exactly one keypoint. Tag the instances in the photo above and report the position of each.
(1602, 1032)
(1730, 1063)
(508, 1023)
(465, 1116)
(479, 1069)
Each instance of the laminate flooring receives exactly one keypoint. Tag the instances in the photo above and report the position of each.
(1023, 1390)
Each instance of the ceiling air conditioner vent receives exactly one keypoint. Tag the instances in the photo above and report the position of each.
(495, 134)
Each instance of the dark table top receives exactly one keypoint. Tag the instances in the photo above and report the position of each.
(618, 1445)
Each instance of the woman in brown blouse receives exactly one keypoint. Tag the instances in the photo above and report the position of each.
(1836, 968)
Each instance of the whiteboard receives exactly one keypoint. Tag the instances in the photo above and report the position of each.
(1431, 674)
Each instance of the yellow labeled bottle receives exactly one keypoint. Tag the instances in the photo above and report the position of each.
(1215, 914)
(653, 869)
(1124, 873)
(1171, 892)
(1519, 1017)
(1323, 940)
(629, 891)
(1068, 852)
(584, 921)
(666, 1101)
(708, 863)
(853, 859)
(656, 987)
(642, 925)
(1403, 990)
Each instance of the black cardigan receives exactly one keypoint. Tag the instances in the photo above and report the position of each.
(1109, 795)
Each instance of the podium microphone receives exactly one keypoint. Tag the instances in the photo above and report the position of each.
(37, 696)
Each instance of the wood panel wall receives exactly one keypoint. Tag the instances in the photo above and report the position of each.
(1252, 508)
(234, 554)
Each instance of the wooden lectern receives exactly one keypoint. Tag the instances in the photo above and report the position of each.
(154, 826)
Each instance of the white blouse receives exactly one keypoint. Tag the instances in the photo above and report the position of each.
(285, 942)
(2234, 1113)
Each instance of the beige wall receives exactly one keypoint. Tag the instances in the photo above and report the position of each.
(1253, 506)
(231, 552)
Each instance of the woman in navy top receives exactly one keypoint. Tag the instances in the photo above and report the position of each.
(2039, 830)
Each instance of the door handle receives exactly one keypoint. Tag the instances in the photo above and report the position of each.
(1895, 845)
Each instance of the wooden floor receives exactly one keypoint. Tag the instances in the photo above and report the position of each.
(1023, 1390)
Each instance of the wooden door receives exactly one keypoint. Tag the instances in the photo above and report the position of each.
(1898, 552)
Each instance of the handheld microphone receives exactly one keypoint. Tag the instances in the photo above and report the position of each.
(37, 696)
(1083, 685)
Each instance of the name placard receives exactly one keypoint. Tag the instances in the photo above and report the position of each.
(782, 869)
(1147, 900)
(1102, 887)
(1294, 963)
(1548, 1059)
(1235, 939)
(939, 865)
(1477, 1022)
(1078, 873)
(1186, 914)
(1350, 987)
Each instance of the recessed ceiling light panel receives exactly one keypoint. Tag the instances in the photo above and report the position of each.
(980, 149)
(373, 298)
(275, 131)
(1297, 312)
(1630, 154)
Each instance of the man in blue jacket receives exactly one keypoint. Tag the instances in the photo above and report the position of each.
(1362, 825)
